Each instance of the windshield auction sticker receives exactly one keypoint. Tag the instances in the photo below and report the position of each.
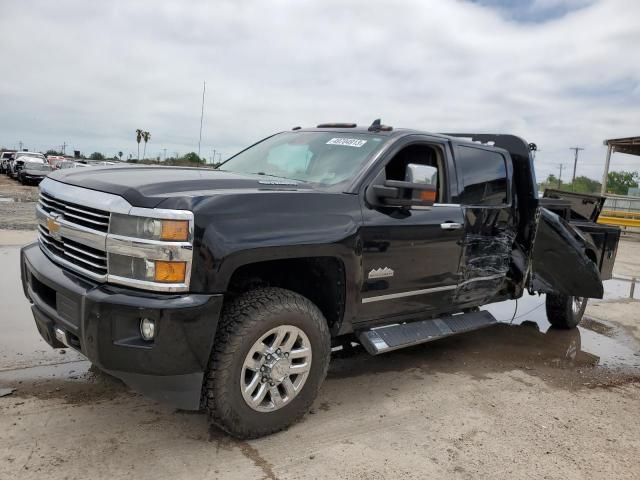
(347, 142)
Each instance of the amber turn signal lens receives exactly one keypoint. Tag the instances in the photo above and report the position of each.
(175, 230)
(170, 272)
(428, 196)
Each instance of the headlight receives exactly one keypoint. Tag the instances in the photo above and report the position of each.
(150, 249)
(150, 228)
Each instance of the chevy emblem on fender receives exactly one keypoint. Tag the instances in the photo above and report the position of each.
(54, 226)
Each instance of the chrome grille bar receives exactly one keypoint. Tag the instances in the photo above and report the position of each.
(81, 256)
(73, 213)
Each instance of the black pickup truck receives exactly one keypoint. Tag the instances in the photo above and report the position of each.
(226, 289)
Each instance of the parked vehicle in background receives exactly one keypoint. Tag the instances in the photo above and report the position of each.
(70, 164)
(5, 159)
(33, 172)
(55, 160)
(20, 158)
(225, 289)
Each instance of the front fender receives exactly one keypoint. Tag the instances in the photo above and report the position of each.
(559, 261)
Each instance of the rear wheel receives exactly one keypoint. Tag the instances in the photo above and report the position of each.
(565, 311)
(270, 357)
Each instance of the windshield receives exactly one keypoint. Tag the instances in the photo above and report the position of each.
(36, 166)
(324, 158)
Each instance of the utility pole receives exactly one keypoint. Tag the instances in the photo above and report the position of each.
(20, 146)
(165, 154)
(560, 177)
(575, 164)
(63, 147)
(204, 87)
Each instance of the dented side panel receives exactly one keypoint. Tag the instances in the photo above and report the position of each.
(486, 254)
(560, 261)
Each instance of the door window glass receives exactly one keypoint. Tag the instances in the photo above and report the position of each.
(484, 176)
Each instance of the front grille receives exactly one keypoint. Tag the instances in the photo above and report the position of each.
(78, 214)
(73, 252)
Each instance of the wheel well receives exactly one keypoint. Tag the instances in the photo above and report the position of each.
(320, 279)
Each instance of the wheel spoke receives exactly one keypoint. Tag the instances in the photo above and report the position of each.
(288, 345)
(252, 364)
(276, 398)
(297, 369)
(280, 334)
(262, 392)
(300, 353)
(289, 388)
(255, 380)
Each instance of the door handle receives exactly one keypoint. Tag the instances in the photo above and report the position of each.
(450, 226)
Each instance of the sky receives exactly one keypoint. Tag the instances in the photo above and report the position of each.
(560, 73)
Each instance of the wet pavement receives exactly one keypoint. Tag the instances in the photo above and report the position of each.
(598, 352)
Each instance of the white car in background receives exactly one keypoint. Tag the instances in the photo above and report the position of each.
(20, 157)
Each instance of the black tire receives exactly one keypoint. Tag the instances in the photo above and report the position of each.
(565, 311)
(244, 320)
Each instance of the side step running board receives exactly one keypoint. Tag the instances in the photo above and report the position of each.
(384, 339)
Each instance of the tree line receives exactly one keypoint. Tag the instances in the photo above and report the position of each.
(618, 183)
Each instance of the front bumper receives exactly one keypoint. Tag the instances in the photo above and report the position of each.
(102, 321)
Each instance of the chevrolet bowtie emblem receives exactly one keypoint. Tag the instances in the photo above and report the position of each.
(54, 226)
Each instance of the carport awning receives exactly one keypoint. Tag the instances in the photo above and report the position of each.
(629, 145)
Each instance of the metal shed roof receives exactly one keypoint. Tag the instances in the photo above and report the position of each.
(629, 145)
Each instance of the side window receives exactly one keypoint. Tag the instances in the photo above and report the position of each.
(424, 155)
(484, 176)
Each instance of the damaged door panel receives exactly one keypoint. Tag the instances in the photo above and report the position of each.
(486, 254)
(563, 260)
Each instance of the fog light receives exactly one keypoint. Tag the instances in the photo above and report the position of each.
(147, 329)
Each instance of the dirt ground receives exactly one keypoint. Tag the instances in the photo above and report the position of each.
(17, 205)
(517, 400)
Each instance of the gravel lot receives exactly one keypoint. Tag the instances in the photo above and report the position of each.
(512, 401)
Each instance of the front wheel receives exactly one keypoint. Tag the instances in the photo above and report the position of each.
(270, 356)
(565, 311)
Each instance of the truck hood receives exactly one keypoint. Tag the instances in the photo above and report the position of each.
(148, 186)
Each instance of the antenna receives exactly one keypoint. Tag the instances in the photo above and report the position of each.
(204, 87)
(376, 125)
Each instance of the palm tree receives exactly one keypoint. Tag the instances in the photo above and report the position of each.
(120, 155)
(138, 139)
(146, 136)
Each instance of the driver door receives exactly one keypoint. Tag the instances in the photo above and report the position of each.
(411, 255)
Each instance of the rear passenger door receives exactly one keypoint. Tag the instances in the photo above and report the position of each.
(484, 183)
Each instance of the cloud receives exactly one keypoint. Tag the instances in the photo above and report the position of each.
(90, 73)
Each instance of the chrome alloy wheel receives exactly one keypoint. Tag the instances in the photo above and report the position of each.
(276, 368)
(576, 305)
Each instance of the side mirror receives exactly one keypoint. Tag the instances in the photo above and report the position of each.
(418, 189)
